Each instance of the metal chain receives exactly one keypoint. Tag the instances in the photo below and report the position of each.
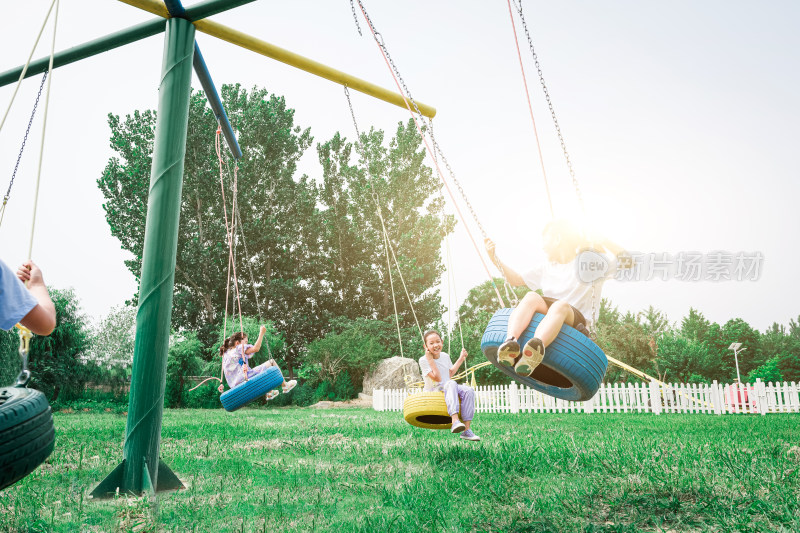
(25, 139)
(429, 130)
(560, 138)
(549, 103)
(355, 18)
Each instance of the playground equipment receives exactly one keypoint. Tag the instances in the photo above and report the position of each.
(141, 469)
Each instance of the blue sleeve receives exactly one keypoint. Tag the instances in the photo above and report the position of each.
(15, 300)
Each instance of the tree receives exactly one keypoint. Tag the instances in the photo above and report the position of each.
(737, 330)
(55, 360)
(393, 184)
(184, 359)
(680, 359)
(626, 338)
(694, 326)
(112, 341)
(769, 372)
(273, 241)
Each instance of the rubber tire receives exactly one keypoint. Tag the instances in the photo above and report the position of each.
(573, 366)
(427, 410)
(248, 391)
(27, 435)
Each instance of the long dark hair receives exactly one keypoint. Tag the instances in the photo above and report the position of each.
(228, 343)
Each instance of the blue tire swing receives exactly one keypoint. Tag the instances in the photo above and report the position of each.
(573, 366)
(239, 396)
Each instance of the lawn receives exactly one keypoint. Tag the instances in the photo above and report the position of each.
(360, 470)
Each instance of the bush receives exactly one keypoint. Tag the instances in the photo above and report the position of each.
(302, 395)
(343, 387)
(185, 359)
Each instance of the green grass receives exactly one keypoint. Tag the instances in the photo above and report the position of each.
(359, 470)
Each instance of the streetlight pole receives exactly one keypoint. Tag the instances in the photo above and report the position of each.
(736, 349)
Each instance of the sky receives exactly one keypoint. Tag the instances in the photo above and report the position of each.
(680, 118)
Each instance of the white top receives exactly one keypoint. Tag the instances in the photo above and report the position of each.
(573, 281)
(443, 364)
(232, 363)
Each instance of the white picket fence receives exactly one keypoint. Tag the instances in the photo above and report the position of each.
(753, 398)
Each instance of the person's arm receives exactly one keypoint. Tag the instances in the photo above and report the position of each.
(434, 369)
(257, 346)
(511, 275)
(41, 320)
(459, 362)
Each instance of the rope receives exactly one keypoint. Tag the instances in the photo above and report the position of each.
(27, 63)
(44, 130)
(409, 101)
(530, 109)
(387, 244)
(230, 231)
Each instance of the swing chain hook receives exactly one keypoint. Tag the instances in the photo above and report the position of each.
(25, 337)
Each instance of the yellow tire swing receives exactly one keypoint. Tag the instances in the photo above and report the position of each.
(427, 410)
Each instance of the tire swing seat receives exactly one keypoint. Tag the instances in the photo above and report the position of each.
(27, 435)
(573, 366)
(427, 410)
(251, 389)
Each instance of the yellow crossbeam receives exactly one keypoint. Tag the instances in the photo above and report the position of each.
(285, 56)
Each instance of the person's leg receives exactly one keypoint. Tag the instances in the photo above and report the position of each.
(520, 317)
(558, 313)
(451, 400)
(466, 397)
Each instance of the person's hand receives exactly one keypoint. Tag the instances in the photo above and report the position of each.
(490, 248)
(464, 353)
(262, 330)
(29, 272)
(221, 388)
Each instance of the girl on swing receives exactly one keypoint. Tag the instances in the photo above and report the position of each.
(437, 370)
(236, 354)
(567, 299)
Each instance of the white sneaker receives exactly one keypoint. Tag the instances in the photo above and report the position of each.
(289, 385)
(458, 427)
(469, 435)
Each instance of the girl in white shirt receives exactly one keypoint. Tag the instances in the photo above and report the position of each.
(570, 291)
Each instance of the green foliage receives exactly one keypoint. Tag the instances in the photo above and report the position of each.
(769, 372)
(343, 387)
(353, 348)
(110, 353)
(10, 364)
(387, 188)
(630, 338)
(55, 360)
(270, 205)
(185, 359)
(303, 394)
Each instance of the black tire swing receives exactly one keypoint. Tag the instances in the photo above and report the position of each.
(27, 434)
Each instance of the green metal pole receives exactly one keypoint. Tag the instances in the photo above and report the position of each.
(153, 318)
(117, 39)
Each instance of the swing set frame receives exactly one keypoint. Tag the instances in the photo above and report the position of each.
(142, 470)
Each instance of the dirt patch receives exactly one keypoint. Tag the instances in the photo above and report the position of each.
(356, 402)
